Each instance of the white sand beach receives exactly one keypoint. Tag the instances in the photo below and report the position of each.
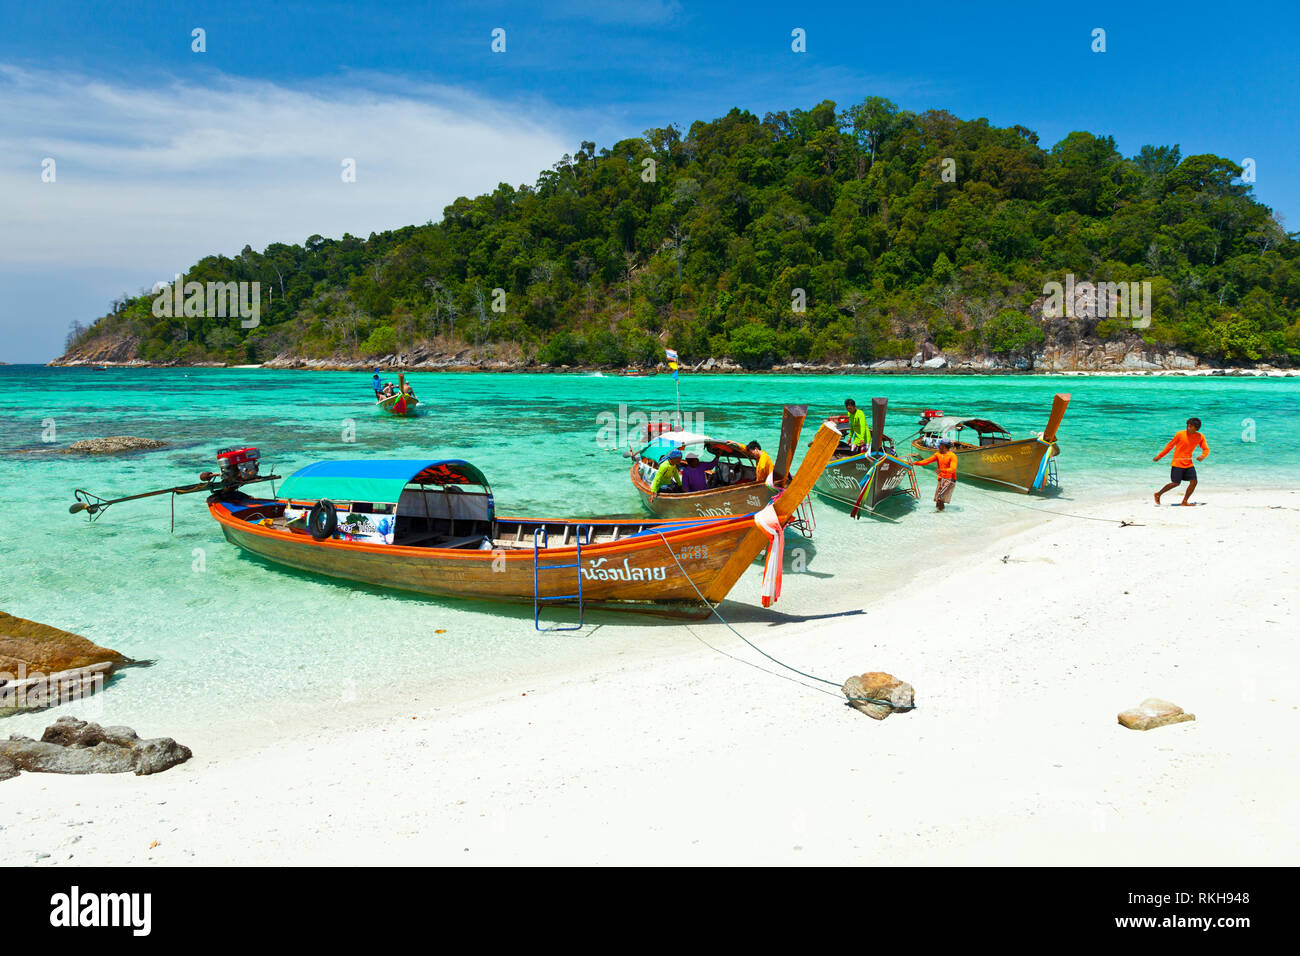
(1021, 657)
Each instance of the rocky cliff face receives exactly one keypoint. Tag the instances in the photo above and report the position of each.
(103, 350)
(1088, 355)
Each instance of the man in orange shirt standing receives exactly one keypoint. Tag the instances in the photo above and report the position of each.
(945, 460)
(763, 464)
(1183, 444)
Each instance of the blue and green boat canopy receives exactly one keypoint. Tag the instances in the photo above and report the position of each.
(375, 480)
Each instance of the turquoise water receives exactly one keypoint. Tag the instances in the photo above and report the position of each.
(240, 643)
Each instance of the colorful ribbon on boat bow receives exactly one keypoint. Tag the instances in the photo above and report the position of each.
(768, 520)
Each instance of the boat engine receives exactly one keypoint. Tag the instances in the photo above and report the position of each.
(238, 464)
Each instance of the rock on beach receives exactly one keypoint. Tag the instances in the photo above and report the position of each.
(879, 686)
(76, 746)
(1153, 712)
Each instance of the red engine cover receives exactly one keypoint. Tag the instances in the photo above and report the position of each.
(232, 457)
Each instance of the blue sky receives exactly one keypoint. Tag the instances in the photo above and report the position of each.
(163, 154)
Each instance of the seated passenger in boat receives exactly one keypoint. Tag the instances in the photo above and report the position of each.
(408, 391)
(668, 475)
(695, 474)
(763, 464)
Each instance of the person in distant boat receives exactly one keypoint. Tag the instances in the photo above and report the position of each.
(695, 474)
(408, 391)
(668, 474)
(1183, 444)
(763, 464)
(387, 391)
(859, 435)
(945, 460)
(376, 384)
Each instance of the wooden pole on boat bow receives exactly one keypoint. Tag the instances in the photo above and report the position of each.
(1059, 404)
(792, 419)
(878, 406)
(810, 469)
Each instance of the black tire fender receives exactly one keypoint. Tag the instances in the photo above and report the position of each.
(322, 520)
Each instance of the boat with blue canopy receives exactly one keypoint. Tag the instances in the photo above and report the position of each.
(431, 526)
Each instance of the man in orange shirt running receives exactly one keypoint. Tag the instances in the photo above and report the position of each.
(945, 460)
(1183, 444)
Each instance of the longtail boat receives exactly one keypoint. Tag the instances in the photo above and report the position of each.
(866, 479)
(400, 404)
(990, 454)
(430, 526)
(733, 488)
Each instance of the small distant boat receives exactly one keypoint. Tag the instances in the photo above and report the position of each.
(866, 479)
(734, 491)
(631, 372)
(400, 404)
(986, 451)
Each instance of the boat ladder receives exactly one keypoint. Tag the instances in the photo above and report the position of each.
(1053, 475)
(805, 522)
(539, 547)
(911, 477)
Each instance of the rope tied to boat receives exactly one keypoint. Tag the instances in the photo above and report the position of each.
(727, 624)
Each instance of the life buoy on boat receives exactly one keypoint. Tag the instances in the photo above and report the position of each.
(322, 520)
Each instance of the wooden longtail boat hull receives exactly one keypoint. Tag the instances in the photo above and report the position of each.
(639, 569)
(741, 499)
(867, 480)
(671, 562)
(735, 499)
(1020, 464)
(842, 480)
(387, 405)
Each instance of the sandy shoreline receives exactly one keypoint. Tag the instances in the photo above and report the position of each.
(1013, 755)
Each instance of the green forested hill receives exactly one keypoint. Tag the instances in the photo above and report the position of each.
(607, 257)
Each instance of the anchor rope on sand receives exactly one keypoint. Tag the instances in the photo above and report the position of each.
(1066, 514)
(713, 609)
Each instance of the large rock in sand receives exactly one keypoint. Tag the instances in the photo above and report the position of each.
(879, 687)
(1153, 712)
(75, 746)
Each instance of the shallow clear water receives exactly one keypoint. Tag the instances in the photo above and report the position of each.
(242, 643)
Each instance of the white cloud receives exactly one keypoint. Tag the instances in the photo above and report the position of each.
(156, 177)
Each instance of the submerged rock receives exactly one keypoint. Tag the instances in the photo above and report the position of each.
(114, 444)
(1153, 712)
(75, 746)
(30, 646)
(879, 686)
